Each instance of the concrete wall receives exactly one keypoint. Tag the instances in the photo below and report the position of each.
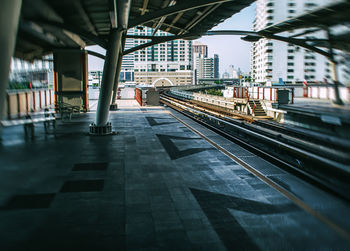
(71, 77)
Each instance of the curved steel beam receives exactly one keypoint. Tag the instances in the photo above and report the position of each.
(299, 42)
(96, 54)
(254, 36)
(230, 32)
(185, 6)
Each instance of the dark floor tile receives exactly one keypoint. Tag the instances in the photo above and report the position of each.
(173, 240)
(29, 201)
(73, 186)
(141, 240)
(94, 166)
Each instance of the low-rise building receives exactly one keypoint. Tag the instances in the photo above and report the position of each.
(165, 79)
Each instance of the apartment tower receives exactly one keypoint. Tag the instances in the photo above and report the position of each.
(273, 60)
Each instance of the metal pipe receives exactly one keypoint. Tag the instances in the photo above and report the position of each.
(9, 19)
(108, 76)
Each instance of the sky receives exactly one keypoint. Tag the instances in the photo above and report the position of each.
(231, 49)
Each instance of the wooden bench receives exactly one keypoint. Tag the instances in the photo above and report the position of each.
(67, 110)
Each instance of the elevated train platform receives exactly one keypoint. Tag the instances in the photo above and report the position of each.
(319, 115)
(161, 182)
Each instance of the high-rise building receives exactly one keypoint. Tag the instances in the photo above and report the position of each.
(200, 48)
(205, 67)
(127, 69)
(216, 66)
(274, 60)
(162, 61)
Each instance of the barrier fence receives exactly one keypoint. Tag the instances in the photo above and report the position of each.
(271, 93)
(138, 96)
(22, 102)
(262, 93)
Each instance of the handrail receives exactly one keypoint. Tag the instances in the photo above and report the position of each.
(253, 108)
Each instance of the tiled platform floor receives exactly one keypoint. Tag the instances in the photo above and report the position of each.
(155, 185)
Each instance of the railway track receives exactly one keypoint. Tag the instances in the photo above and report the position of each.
(322, 160)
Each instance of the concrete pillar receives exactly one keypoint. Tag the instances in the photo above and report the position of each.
(9, 18)
(116, 79)
(102, 126)
(109, 71)
(335, 79)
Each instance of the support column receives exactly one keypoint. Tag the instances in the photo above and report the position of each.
(109, 70)
(102, 126)
(114, 105)
(9, 18)
(335, 79)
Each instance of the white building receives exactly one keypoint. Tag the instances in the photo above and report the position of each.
(205, 67)
(172, 56)
(273, 60)
(233, 73)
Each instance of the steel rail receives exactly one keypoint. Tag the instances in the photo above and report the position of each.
(342, 170)
(296, 200)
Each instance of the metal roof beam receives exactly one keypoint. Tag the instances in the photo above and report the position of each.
(176, 18)
(96, 54)
(123, 14)
(76, 30)
(113, 13)
(171, 10)
(200, 17)
(259, 35)
(162, 19)
(173, 26)
(299, 42)
(83, 14)
(306, 32)
(144, 7)
(36, 32)
(230, 32)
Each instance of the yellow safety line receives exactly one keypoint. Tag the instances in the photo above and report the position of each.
(344, 233)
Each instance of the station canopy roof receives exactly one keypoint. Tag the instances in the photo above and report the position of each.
(46, 25)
